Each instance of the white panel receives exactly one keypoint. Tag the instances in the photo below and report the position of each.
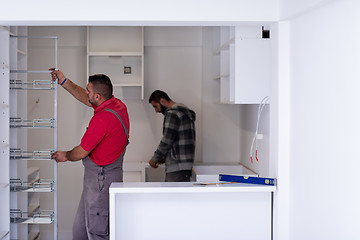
(293, 8)
(113, 67)
(325, 98)
(172, 36)
(112, 39)
(141, 12)
(199, 214)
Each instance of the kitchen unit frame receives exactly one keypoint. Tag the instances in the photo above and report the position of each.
(20, 182)
(218, 211)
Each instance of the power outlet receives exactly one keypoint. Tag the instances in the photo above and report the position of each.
(127, 70)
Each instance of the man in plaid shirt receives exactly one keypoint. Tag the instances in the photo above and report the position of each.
(177, 146)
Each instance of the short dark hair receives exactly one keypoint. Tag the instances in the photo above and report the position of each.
(102, 84)
(157, 95)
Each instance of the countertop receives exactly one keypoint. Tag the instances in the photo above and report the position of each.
(186, 187)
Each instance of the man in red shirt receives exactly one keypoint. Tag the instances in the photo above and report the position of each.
(102, 150)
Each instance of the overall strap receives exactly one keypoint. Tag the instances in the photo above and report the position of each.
(118, 116)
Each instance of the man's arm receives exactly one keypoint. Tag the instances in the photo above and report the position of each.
(171, 126)
(74, 155)
(78, 92)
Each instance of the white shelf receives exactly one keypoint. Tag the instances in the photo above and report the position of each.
(3, 146)
(38, 185)
(4, 66)
(42, 154)
(21, 52)
(35, 123)
(3, 186)
(222, 76)
(3, 234)
(39, 220)
(33, 235)
(127, 85)
(6, 28)
(38, 217)
(116, 54)
(225, 46)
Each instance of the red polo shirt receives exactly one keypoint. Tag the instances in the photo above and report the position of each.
(105, 137)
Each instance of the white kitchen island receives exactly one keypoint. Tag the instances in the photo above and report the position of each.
(177, 211)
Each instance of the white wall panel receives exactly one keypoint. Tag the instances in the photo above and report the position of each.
(136, 12)
(325, 56)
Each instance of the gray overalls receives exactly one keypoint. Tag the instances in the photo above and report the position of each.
(92, 217)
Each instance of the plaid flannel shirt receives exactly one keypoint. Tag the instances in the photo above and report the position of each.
(177, 146)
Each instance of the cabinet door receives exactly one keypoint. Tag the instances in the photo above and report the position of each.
(252, 70)
(244, 59)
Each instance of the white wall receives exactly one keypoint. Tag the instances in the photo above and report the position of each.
(324, 167)
(292, 8)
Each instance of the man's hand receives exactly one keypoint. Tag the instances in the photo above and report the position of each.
(57, 74)
(152, 164)
(59, 156)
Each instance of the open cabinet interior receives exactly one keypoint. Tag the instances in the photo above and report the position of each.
(222, 73)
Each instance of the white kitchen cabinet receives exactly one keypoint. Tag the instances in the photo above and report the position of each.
(118, 52)
(25, 185)
(242, 58)
(175, 210)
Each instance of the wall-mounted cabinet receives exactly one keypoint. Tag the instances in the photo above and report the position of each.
(242, 58)
(118, 52)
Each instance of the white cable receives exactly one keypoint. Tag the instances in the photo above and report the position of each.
(254, 140)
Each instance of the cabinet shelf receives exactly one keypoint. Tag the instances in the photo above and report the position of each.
(115, 54)
(29, 71)
(42, 154)
(21, 52)
(3, 186)
(33, 235)
(34, 85)
(3, 146)
(224, 47)
(127, 85)
(38, 185)
(38, 217)
(3, 234)
(4, 66)
(35, 123)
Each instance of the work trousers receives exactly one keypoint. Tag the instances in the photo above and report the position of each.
(92, 217)
(179, 176)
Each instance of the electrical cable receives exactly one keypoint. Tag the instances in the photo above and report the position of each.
(254, 140)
